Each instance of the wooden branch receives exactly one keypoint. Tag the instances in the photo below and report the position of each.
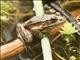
(11, 49)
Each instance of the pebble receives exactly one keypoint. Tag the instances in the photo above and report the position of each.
(47, 12)
(55, 13)
(52, 11)
(46, 6)
(59, 17)
(58, 13)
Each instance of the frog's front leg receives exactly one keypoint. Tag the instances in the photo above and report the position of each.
(23, 34)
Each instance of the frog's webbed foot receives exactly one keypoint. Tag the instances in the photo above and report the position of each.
(23, 34)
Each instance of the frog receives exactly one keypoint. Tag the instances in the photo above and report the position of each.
(37, 22)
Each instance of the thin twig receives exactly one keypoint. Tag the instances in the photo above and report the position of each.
(37, 56)
(62, 58)
(36, 45)
(57, 23)
(55, 38)
(2, 40)
(31, 49)
(17, 14)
